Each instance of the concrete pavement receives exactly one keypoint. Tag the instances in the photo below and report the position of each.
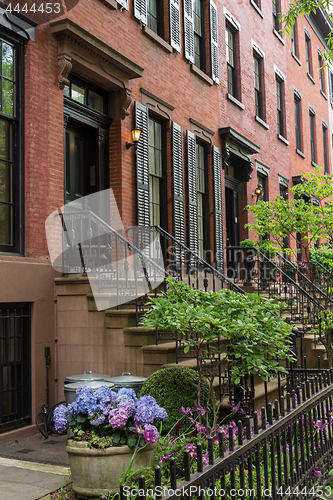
(22, 480)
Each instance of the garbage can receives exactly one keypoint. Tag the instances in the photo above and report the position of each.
(86, 376)
(128, 381)
(70, 389)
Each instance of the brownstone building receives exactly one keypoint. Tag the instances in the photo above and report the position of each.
(224, 102)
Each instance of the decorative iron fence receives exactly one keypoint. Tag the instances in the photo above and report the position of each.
(287, 456)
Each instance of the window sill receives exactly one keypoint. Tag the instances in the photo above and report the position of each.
(314, 164)
(282, 139)
(201, 74)
(299, 152)
(311, 78)
(278, 36)
(323, 94)
(111, 3)
(296, 59)
(235, 101)
(256, 8)
(259, 120)
(157, 39)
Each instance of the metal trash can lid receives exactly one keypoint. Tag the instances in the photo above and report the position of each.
(128, 381)
(94, 384)
(85, 377)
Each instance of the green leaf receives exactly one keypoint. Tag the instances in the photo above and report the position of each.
(116, 438)
(131, 441)
(81, 418)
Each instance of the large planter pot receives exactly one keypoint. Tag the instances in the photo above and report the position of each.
(95, 472)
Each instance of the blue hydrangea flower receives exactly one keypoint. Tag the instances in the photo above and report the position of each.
(147, 410)
(127, 392)
(85, 401)
(60, 418)
(101, 393)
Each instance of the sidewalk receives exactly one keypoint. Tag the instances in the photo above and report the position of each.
(29, 480)
(33, 467)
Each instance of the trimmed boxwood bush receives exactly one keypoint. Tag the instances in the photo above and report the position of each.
(175, 387)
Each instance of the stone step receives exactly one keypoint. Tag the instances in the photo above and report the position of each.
(139, 336)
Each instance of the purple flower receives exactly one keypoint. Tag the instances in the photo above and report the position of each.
(150, 433)
(185, 412)
(121, 414)
(198, 408)
(319, 424)
(163, 459)
(60, 418)
(192, 450)
(205, 458)
(235, 408)
(315, 471)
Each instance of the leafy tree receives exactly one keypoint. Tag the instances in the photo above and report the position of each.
(254, 331)
(308, 213)
(298, 8)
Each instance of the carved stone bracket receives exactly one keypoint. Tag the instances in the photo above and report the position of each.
(83, 53)
(225, 157)
(122, 101)
(64, 68)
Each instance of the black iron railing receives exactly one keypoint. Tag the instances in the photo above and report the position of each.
(287, 455)
(277, 277)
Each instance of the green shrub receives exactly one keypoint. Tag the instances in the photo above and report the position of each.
(323, 256)
(175, 387)
(248, 243)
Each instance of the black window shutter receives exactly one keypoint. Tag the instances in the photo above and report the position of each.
(218, 213)
(140, 10)
(142, 165)
(192, 191)
(175, 25)
(178, 190)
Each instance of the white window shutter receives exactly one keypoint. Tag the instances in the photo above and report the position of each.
(175, 25)
(218, 209)
(140, 10)
(123, 3)
(142, 165)
(214, 45)
(192, 191)
(189, 30)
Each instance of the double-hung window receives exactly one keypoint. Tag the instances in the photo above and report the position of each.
(294, 50)
(198, 25)
(258, 85)
(298, 135)
(276, 14)
(155, 135)
(321, 72)
(312, 116)
(155, 16)
(308, 54)
(280, 107)
(10, 168)
(201, 190)
(325, 127)
(230, 34)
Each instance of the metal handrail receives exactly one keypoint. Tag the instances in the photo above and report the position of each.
(303, 277)
(209, 267)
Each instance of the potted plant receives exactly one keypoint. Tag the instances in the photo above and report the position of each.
(112, 432)
(249, 259)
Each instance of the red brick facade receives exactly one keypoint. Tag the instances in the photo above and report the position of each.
(144, 64)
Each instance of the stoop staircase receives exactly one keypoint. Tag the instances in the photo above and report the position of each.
(113, 338)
